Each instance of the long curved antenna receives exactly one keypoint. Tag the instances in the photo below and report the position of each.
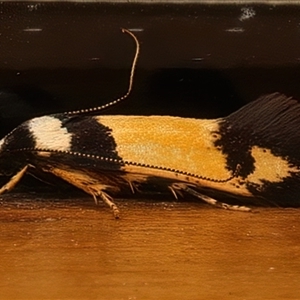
(98, 108)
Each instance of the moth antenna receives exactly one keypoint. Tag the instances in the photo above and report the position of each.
(133, 67)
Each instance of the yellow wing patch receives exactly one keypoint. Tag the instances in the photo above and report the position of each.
(183, 144)
(188, 145)
(269, 167)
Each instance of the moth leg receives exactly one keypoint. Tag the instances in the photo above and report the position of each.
(13, 181)
(207, 199)
(175, 191)
(132, 187)
(107, 200)
(88, 184)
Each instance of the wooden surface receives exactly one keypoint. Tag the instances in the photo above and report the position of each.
(71, 249)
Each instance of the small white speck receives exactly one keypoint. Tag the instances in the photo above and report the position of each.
(235, 29)
(247, 13)
(136, 29)
(32, 7)
(197, 58)
(32, 29)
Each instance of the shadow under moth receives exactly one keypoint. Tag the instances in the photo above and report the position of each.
(251, 154)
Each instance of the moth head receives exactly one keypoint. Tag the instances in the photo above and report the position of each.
(8, 165)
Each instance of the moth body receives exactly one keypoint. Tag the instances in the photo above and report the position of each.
(251, 154)
(242, 155)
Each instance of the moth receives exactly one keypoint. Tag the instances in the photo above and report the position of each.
(251, 156)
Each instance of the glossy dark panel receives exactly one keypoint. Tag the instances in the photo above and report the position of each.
(196, 60)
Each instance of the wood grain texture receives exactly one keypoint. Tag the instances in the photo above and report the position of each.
(71, 249)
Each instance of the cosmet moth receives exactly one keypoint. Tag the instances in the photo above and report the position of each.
(251, 156)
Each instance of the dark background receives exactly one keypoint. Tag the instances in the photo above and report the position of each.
(197, 60)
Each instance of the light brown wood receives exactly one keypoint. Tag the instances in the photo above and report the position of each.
(72, 249)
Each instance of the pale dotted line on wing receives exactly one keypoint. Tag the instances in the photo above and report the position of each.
(131, 163)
